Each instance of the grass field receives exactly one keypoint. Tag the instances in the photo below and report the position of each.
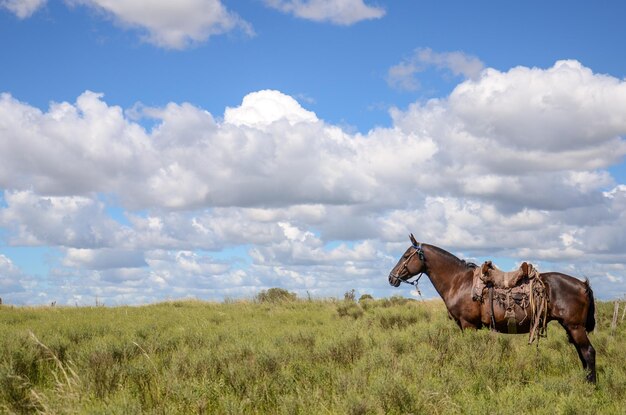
(311, 357)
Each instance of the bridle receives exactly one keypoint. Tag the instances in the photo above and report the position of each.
(419, 251)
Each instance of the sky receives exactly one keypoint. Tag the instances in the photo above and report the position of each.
(211, 149)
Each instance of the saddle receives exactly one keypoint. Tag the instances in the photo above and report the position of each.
(521, 288)
(489, 275)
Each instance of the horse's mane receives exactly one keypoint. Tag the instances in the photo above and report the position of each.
(445, 253)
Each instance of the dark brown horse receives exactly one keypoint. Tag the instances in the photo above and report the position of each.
(570, 301)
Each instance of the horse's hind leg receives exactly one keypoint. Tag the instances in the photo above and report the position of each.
(578, 337)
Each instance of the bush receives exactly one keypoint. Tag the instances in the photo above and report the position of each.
(396, 300)
(350, 309)
(275, 295)
(365, 297)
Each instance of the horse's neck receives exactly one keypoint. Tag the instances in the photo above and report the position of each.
(445, 271)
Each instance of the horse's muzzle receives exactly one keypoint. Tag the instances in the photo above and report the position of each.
(394, 280)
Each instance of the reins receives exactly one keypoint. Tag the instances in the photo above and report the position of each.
(414, 283)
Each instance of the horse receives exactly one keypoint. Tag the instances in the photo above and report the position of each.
(570, 300)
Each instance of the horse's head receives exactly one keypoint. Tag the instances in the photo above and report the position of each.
(409, 265)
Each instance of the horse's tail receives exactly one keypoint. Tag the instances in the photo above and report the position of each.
(590, 324)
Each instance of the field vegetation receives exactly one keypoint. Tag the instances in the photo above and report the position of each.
(280, 355)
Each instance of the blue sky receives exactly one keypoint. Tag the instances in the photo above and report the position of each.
(213, 148)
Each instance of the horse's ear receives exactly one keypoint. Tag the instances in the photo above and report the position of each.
(412, 238)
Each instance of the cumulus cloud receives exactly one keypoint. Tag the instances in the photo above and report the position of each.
(170, 24)
(68, 221)
(180, 24)
(10, 277)
(104, 258)
(266, 107)
(270, 151)
(518, 134)
(22, 8)
(340, 12)
(511, 163)
(55, 152)
(403, 76)
(563, 108)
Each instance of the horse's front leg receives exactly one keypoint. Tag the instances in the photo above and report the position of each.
(467, 316)
(464, 324)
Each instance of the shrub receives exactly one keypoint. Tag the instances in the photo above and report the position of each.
(365, 297)
(349, 309)
(395, 301)
(275, 295)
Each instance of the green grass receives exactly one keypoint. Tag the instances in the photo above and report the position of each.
(387, 356)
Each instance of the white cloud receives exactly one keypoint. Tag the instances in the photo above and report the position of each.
(71, 149)
(193, 263)
(505, 142)
(565, 108)
(168, 24)
(266, 107)
(340, 12)
(589, 180)
(183, 23)
(103, 258)
(22, 8)
(272, 152)
(403, 76)
(10, 277)
(68, 221)
(171, 24)
(268, 151)
(458, 63)
(506, 165)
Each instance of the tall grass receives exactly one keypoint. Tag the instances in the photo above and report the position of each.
(369, 357)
